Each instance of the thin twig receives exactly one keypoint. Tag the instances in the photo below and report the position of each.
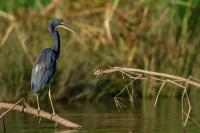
(11, 107)
(119, 104)
(188, 100)
(182, 101)
(197, 123)
(189, 109)
(126, 86)
(166, 81)
(159, 92)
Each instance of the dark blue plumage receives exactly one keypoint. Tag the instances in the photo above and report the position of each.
(43, 69)
(45, 65)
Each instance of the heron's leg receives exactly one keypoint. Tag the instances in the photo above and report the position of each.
(51, 99)
(38, 104)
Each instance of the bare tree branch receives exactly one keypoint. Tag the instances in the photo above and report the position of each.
(30, 110)
(144, 72)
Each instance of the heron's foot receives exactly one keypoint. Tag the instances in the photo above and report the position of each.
(52, 115)
(23, 104)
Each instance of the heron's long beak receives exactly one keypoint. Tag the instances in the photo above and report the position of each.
(65, 27)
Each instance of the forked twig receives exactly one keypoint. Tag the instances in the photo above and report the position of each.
(164, 82)
(119, 104)
(188, 101)
(197, 123)
(4, 113)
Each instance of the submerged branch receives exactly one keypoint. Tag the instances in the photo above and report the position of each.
(30, 110)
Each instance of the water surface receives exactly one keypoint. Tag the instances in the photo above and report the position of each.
(142, 117)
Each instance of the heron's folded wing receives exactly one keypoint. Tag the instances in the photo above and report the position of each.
(42, 72)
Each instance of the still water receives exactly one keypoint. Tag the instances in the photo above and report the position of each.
(142, 117)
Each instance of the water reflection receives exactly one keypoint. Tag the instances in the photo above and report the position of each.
(141, 117)
(67, 131)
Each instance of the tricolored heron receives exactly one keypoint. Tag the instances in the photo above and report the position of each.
(45, 65)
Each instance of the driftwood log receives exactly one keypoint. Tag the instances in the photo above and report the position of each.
(24, 107)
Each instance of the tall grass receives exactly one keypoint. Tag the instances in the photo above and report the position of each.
(153, 35)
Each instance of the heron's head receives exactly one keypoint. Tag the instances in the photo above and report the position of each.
(56, 23)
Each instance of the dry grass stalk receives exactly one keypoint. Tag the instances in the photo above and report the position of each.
(10, 17)
(23, 45)
(14, 25)
(50, 7)
(109, 11)
(7, 34)
(85, 12)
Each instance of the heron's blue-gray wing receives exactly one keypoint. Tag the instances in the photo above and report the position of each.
(43, 70)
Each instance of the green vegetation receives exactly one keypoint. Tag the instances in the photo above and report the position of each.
(156, 35)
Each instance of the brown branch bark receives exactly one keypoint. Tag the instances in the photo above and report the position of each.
(43, 114)
(150, 73)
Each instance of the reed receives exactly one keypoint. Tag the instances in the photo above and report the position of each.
(151, 35)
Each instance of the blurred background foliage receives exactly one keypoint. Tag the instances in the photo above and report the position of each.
(152, 35)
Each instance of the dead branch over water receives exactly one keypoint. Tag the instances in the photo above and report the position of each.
(154, 75)
(24, 107)
(138, 74)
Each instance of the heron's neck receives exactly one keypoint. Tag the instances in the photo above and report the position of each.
(56, 39)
